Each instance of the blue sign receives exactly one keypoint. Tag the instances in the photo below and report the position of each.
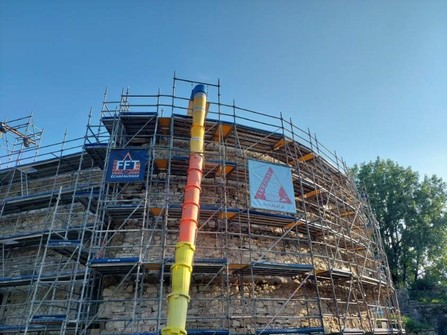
(126, 165)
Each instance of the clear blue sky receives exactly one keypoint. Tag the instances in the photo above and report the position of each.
(368, 77)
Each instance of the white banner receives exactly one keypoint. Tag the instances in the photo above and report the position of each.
(271, 186)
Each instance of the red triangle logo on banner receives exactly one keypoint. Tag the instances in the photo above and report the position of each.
(271, 189)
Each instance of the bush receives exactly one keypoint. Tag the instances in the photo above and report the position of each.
(436, 296)
(414, 325)
(424, 284)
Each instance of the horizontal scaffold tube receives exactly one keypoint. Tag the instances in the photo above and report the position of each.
(181, 270)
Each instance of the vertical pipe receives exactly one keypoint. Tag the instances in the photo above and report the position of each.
(181, 270)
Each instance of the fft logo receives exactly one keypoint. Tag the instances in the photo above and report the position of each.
(126, 166)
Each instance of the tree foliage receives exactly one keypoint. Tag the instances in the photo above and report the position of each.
(412, 219)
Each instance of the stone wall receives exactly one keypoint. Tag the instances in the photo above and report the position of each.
(38, 220)
(209, 306)
(16, 305)
(30, 185)
(430, 314)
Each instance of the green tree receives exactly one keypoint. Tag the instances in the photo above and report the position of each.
(411, 214)
(427, 229)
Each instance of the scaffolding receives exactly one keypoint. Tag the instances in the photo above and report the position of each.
(85, 255)
(19, 141)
